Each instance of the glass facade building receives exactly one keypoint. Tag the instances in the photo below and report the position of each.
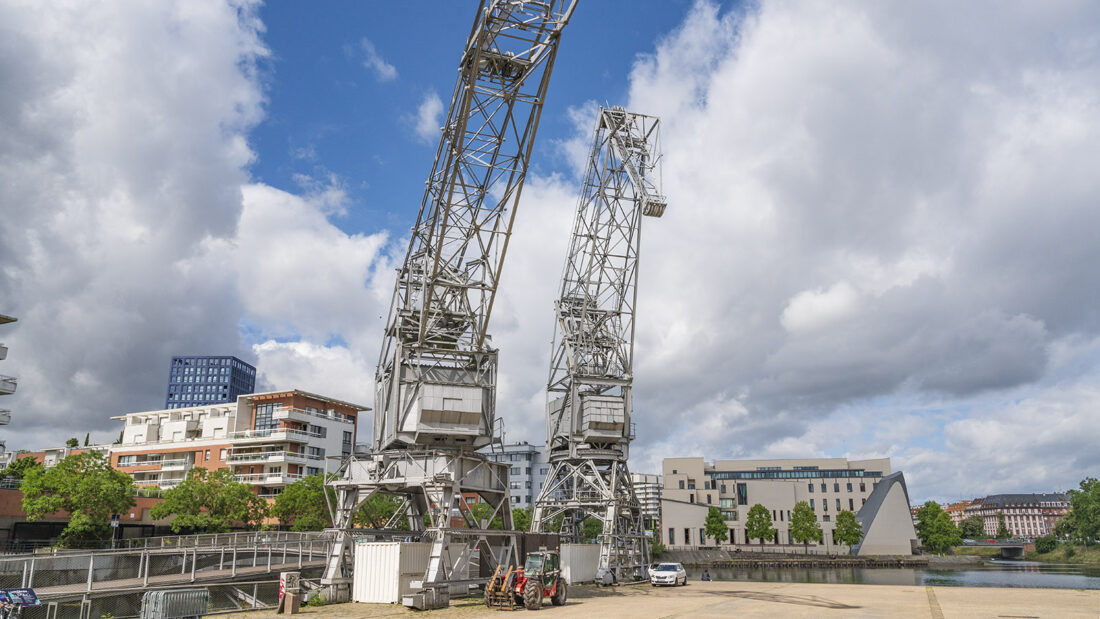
(201, 380)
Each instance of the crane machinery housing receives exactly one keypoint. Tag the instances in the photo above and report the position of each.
(435, 386)
(591, 369)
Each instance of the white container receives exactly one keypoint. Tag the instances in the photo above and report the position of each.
(383, 571)
(579, 562)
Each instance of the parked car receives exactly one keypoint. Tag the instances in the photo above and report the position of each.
(668, 574)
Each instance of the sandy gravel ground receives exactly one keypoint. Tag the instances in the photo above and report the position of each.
(752, 599)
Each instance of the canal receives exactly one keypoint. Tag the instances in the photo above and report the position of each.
(987, 574)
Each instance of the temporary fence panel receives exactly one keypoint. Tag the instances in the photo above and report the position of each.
(579, 562)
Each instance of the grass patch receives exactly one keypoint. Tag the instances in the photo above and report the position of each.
(977, 552)
(1065, 553)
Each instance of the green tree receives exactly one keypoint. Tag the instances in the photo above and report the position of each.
(72, 442)
(84, 485)
(715, 525)
(302, 505)
(521, 519)
(591, 529)
(1002, 530)
(483, 511)
(87, 437)
(1045, 544)
(19, 467)
(972, 527)
(377, 511)
(936, 530)
(758, 524)
(1083, 519)
(847, 531)
(210, 502)
(804, 526)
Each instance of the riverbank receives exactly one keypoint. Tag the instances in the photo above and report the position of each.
(710, 557)
(763, 599)
(1063, 554)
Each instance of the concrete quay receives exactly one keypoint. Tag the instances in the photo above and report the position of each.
(765, 599)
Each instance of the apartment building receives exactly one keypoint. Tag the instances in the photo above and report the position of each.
(7, 383)
(202, 380)
(1027, 516)
(647, 488)
(956, 510)
(528, 466)
(829, 485)
(268, 439)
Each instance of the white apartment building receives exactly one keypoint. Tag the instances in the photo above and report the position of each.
(1026, 516)
(528, 467)
(268, 439)
(647, 488)
(7, 383)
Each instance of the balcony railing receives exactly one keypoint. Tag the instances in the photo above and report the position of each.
(7, 384)
(266, 456)
(169, 483)
(3, 352)
(5, 417)
(268, 478)
(174, 465)
(277, 434)
(289, 412)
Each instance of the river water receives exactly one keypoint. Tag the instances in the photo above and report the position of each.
(987, 574)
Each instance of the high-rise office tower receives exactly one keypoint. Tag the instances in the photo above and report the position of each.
(199, 380)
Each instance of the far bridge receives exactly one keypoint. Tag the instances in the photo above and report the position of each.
(1010, 548)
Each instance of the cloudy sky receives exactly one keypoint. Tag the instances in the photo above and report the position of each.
(881, 239)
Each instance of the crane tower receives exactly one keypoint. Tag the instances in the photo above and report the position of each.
(435, 386)
(591, 368)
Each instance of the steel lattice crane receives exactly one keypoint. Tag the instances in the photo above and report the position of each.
(591, 368)
(436, 378)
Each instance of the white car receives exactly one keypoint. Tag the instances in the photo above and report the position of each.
(668, 574)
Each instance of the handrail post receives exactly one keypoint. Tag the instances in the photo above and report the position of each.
(91, 570)
(299, 554)
(255, 554)
(221, 560)
(30, 577)
(183, 568)
(148, 560)
(269, 558)
(194, 562)
(234, 561)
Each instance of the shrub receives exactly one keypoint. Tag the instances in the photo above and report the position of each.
(317, 600)
(1045, 544)
(1069, 550)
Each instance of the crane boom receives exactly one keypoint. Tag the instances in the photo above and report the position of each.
(436, 376)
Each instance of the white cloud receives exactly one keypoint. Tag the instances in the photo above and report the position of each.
(429, 118)
(383, 71)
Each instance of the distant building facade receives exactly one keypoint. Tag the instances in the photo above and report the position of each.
(691, 486)
(205, 380)
(956, 510)
(647, 488)
(528, 466)
(1026, 515)
(7, 383)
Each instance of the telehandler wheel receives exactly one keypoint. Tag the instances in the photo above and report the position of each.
(532, 594)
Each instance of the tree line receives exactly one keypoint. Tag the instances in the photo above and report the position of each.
(804, 526)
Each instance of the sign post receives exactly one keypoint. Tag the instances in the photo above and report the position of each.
(289, 593)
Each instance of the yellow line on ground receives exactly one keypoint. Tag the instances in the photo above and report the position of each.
(933, 605)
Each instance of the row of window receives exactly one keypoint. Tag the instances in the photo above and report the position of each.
(799, 474)
(836, 487)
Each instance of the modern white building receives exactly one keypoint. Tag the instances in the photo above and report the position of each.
(829, 485)
(7, 383)
(528, 468)
(647, 488)
(268, 439)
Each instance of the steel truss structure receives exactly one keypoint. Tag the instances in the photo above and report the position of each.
(435, 386)
(591, 369)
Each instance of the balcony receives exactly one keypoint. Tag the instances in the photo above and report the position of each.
(7, 384)
(267, 456)
(3, 352)
(5, 417)
(165, 484)
(268, 478)
(175, 465)
(280, 434)
(300, 414)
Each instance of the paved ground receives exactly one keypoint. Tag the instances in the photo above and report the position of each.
(752, 599)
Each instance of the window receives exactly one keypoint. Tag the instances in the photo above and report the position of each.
(528, 468)
(836, 486)
(823, 487)
(687, 536)
(543, 471)
(851, 505)
(316, 453)
(742, 494)
(702, 537)
(515, 470)
(207, 455)
(811, 488)
(681, 484)
(774, 517)
(347, 438)
(222, 455)
(671, 534)
(838, 507)
(849, 486)
(708, 499)
(691, 498)
(264, 420)
(313, 470)
(691, 485)
(825, 504)
(723, 488)
(862, 487)
(674, 472)
(825, 518)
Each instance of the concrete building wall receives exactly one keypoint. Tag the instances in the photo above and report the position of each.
(886, 520)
